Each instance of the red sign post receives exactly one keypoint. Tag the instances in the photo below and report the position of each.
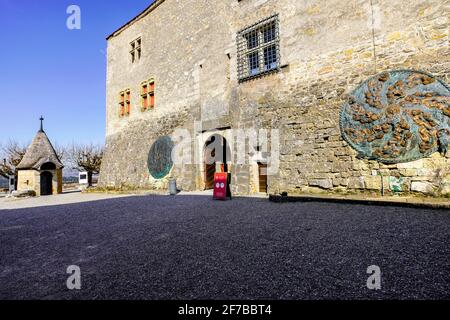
(222, 186)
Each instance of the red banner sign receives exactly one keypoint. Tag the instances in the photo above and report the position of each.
(221, 186)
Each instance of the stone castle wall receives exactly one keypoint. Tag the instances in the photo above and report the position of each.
(327, 49)
(330, 51)
(191, 72)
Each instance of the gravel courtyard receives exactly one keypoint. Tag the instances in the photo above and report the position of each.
(191, 247)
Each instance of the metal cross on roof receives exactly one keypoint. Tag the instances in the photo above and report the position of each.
(42, 123)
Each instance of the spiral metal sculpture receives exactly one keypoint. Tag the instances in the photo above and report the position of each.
(398, 116)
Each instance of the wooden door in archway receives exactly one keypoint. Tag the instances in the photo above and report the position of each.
(46, 183)
(216, 150)
(262, 175)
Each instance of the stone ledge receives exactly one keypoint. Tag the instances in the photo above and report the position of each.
(409, 202)
(23, 194)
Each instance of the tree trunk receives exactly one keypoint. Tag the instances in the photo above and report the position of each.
(90, 179)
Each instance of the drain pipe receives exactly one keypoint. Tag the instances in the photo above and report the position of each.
(382, 183)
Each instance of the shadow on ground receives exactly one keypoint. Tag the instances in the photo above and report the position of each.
(192, 247)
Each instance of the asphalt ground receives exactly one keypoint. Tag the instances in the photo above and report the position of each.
(192, 247)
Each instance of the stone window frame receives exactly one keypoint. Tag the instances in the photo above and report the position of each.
(125, 103)
(136, 50)
(148, 95)
(259, 44)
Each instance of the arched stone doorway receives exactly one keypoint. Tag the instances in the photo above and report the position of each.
(48, 166)
(46, 183)
(216, 151)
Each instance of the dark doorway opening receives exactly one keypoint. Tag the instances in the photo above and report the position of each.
(46, 183)
(216, 150)
(262, 172)
(48, 166)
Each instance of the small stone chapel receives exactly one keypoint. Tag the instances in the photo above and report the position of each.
(40, 169)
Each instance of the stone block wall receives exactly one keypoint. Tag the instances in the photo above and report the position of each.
(31, 180)
(28, 180)
(327, 49)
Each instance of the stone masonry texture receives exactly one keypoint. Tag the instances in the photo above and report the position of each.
(327, 49)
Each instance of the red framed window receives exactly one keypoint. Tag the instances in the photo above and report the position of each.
(147, 95)
(128, 102)
(152, 101)
(122, 104)
(125, 103)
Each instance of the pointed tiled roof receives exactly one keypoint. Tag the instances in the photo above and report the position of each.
(39, 152)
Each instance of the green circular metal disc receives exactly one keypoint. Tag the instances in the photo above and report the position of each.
(160, 157)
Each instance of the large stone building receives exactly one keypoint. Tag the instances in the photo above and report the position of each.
(320, 76)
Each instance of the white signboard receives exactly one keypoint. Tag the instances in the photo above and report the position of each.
(83, 178)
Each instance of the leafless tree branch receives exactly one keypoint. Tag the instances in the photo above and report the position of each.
(11, 155)
(86, 157)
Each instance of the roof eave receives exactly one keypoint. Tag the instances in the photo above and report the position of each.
(141, 15)
(26, 168)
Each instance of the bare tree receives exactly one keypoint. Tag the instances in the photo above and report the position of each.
(3, 168)
(86, 158)
(61, 152)
(11, 155)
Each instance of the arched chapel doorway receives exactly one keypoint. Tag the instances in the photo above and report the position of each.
(216, 151)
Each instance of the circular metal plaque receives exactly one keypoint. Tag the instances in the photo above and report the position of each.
(398, 116)
(160, 157)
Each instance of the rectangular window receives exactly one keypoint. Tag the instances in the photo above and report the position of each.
(270, 58)
(122, 104)
(252, 40)
(128, 102)
(147, 95)
(125, 103)
(259, 49)
(136, 50)
(253, 63)
(269, 32)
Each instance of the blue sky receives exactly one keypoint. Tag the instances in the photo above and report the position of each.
(60, 73)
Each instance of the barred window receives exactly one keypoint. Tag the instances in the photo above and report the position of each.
(259, 49)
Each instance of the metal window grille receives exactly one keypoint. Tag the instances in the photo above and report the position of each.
(259, 49)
